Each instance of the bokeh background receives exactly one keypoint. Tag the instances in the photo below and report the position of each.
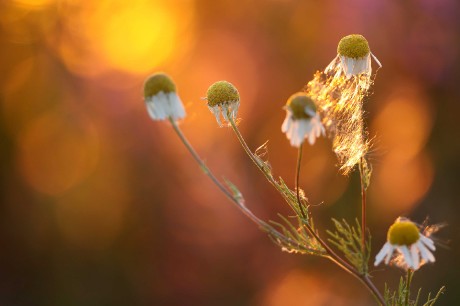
(102, 206)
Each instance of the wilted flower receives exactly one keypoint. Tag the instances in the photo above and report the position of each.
(353, 56)
(223, 98)
(161, 98)
(302, 121)
(412, 246)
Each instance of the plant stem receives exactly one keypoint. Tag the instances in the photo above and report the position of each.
(208, 172)
(363, 210)
(222, 188)
(297, 179)
(409, 275)
(330, 253)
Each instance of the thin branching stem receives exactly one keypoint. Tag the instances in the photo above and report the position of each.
(297, 179)
(208, 172)
(330, 253)
(222, 188)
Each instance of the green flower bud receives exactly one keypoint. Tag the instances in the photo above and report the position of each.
(299, 103)
(158, 82)
(222, 92)
(403, 233)
(353, 46)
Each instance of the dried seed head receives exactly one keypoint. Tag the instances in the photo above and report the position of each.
(353, 46)
(301, 106)
(222, 92)
(403, 233)
(158, 82)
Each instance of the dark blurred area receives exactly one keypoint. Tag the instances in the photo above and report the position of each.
(102, 206)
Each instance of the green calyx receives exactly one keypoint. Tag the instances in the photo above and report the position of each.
(354, 46)
(298, 103)
(222, 92)
(403, 233)
(158, 82)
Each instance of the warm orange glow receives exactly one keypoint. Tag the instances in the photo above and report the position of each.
(405, 173)
(404, 124)
(56, 153)
(299, 288)
(33, 3)
(398, 185)
(134, 36)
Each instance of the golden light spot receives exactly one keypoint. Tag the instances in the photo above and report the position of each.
(57, 152)
(134, 36)
(404, 124)
(405, 173)
(399, 184)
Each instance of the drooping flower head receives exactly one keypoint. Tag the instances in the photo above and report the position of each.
(161, 99)
(353, 56)
(339, 91)
(302, 121)
(223, 98)
(413, 248)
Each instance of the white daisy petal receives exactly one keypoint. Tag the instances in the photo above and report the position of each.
(415, 256)
(428, 242)
(382, 253)
(426, 254)
(407, 256)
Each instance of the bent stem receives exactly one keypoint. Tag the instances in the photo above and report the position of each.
(222, 188)
(331, 255)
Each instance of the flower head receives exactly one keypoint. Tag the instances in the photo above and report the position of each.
(161, 98)
(413, 247)
(302, 121)
(353, 56)
(223, 98)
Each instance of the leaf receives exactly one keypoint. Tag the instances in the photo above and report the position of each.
(348, 240)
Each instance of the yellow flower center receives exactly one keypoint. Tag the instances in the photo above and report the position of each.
(158, 82)
(403, 233)
(222, 92)
(354, 46)
(298, 103)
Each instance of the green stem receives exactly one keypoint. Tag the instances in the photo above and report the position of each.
(297, 179)
(330, 253)
(410, 274)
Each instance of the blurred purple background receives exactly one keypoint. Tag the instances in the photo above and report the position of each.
(99, 205)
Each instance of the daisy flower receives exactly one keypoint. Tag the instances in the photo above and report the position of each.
(161, 99)
(223, 99)
(413, 248)
(302, 121)
(353, 56)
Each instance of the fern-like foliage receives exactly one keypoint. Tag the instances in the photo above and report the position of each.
(401, 296)
(348, 240)
(300, 240)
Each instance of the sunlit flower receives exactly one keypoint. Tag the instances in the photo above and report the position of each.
(353, 56)
(413, 248)
(161, 98)
(302, 121)
(223, 98)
